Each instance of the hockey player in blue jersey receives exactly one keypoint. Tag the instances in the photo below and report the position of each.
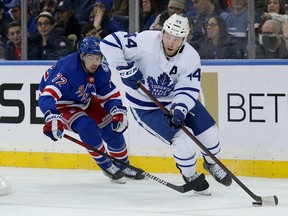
(77, 94)
(171, 69)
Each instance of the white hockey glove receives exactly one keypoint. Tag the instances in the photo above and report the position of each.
(53, 127)
(178, 113)
(119, 119)
(130, 75)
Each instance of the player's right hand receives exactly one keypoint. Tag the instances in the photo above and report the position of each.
(178, 113)
(53, 127)
(119, 119)
(130, 75)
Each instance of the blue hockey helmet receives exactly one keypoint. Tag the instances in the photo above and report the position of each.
(90, 45)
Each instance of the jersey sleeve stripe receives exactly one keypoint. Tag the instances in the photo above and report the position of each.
(113, 44)
(118, 40)
(113, 92)
(109, 97)
(52, 91)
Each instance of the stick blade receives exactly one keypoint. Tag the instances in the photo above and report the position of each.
(266, 201)
(270, 200)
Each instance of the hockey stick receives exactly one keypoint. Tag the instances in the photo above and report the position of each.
(182, 189)
(260, 200)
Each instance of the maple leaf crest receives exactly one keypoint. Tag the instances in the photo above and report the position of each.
(162, 87)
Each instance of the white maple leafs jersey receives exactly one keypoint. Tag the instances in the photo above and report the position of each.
(170, 80)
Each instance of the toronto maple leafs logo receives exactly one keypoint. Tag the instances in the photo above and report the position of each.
(162, 87)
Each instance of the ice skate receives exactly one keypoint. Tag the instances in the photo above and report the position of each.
(115, 174)
(201, 189)
(218, 173)
(133, 174)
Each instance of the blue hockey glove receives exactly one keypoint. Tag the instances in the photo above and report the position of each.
(119, 119)
(178, 113)
(53, 127)
(130, 75)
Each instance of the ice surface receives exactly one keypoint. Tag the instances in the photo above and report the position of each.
(62, 192)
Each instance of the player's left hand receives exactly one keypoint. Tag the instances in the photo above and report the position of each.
(130, 75)
(178, 113)
(119, 119)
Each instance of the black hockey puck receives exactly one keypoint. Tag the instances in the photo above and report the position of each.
(257, 203)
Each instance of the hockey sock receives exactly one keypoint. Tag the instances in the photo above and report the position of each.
(89, 133)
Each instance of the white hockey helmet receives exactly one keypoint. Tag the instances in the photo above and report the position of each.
(177, 25)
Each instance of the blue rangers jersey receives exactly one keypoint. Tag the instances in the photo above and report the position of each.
(67, 84)
(170, 79)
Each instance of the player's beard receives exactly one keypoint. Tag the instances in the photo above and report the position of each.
(169, 54)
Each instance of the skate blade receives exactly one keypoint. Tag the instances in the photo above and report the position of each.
(203, 193)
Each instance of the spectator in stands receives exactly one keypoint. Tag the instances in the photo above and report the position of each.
(237, 23)
(205, 9)
(237, 19)
(174, 6)
(15, 9)
(273, 45)
(149, 12)
(4, 21)
(88, 29)
(282, 18)
(66, 23)
(218, 44)
(38, 6)
(274, 6)
(102, 18)
(271, 7)
(13, 46)
(48, 44)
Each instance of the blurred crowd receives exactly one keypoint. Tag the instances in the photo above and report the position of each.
(219, 28)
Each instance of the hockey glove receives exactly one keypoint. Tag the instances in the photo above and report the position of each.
(53, 127)
(178, 113)
(130, 75)
(119, 119)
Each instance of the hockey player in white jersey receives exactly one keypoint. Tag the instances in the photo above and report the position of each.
(171, 69)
